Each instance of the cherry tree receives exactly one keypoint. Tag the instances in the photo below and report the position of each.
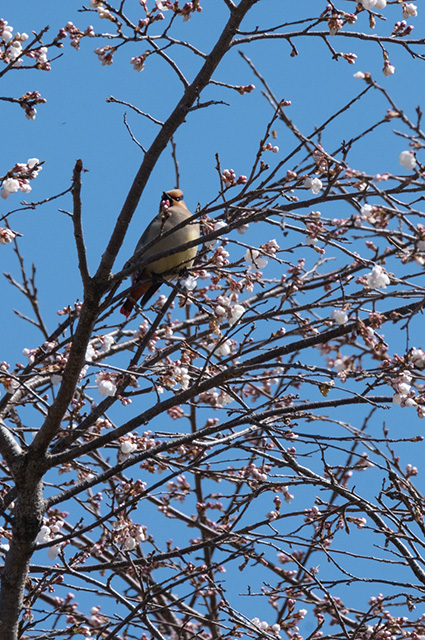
(226, 462)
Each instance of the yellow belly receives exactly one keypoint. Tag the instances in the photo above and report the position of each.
(177, 261)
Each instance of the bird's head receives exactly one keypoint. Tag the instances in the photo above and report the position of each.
(172, 198)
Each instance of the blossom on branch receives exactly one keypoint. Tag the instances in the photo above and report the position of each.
(377, 278)
(314, 184)
(407, 160)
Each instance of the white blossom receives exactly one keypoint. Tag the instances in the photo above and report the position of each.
(402, 399)
(25, 186)
(55, 528)
(417, 356)
(138, 63)
(6, 235)
(339, 364)
(367, 212)
(44, 534)
(53, 551)
(359, 75)
(4, 547)
(130, 544)
(218, 224)
(107, 342)
(105, 384)
(184, 378)
(388, 70)
(314, 184)
(141, 535)
(225, 348)
(128, 447)
(340, 316)
(220, 310)
(237, 312)
(224, 398)
(254, 257)
(189, 283)
(7, 33)
(410, 10)
(407, 160)
(10, 185)
(42, 57)
(103, 13)
(163, 5)
(14, 53)
(90, 352)
(377, 278)
(29, 353)
(32, 162)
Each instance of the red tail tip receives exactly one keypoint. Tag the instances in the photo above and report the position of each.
(125, 311)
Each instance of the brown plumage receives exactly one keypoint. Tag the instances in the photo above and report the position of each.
(172, 212)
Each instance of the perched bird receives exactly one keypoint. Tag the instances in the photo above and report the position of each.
(172, 212)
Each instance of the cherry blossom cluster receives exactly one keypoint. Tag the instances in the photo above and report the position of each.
(185, 11)
(262, 626)
(314, 184)
(417, 357)
(245, 88)
(138, 62)
(270, 147)
(337, 19)
(377, 278)
(6, 235)
(410, 10)
(106, 383)
(229, 178)
(402, 29)
(340, 316)
(213, 225)
(11, 45)
(105, 55)
(370, 5)
(257, 257)
(40, 57)
(71, 311)
(49, 532)
(17, 179)
(128, 535)
(28, 102)
(178, 489)
(404, 394)
(228, 309)
(175, 373)
(75, 34)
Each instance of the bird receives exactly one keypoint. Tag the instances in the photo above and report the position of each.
(172, 212)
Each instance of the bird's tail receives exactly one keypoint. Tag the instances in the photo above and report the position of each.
(145, 289)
